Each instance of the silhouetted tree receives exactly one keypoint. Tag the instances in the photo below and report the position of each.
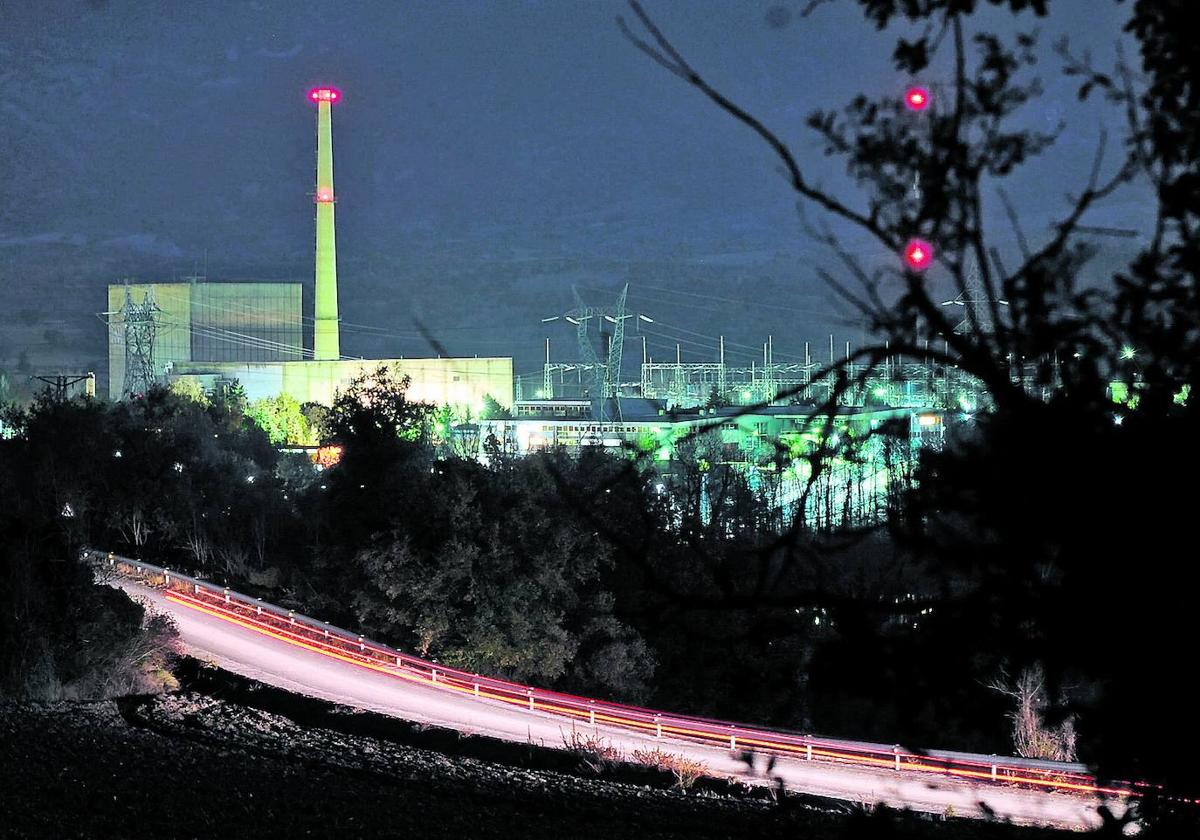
(1054, 523)
(489, 571)
(374, 412)
(492, 410)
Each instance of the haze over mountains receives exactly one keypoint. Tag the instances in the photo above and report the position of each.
(488, 156)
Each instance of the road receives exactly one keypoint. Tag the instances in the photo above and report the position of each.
(275, 662)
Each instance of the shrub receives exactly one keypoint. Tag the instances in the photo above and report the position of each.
(595, 753)
(685, 770)
(1033, 736)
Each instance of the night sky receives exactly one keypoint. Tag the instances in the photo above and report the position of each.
(488, 156)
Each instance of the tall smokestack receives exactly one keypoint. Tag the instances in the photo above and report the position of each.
(326, 341)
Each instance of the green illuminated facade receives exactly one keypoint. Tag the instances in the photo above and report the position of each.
(217, 322)
(446, 382)
(868, 449)
(762, 437)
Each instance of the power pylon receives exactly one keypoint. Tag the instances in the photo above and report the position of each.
(141, 325)
(601, 359)
(59, 384)
(977, 314)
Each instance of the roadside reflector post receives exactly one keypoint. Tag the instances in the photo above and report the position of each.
(993, 772)
(399, 664)
(732, 738)
(258, 609)
(361, 646)
(896, 750)
(529, 691)
(808, 752)
(658, 726)
(433, 674)
(291, 616)
(476, 688)
(592, 712)
(166, 577)
(226, 594)
(326, 634)
(195, 589)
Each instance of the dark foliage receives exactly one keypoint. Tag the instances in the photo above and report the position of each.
(63, 635)
(1053, 533)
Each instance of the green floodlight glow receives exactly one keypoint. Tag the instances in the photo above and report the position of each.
(664, 453)
(1128, 353)
(880, 392)
(747, 396)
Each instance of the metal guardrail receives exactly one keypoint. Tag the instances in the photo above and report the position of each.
(321, 637)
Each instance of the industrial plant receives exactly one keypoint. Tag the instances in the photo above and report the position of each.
(253, 333)
(762, 419)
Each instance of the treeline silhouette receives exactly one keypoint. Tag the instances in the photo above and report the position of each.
(591, 573)
(585, 573)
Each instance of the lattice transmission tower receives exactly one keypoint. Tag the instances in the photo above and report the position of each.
(140, 322)
(977, 306)
(600, 358)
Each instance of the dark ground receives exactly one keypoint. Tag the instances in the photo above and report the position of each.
(229, 758)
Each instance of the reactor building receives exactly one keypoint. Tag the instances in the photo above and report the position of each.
(215, 333)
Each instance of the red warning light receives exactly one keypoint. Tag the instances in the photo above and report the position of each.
(324, 94)
(918, 254)
(916, 98)
(324, 196)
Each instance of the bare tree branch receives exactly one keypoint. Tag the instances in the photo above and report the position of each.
(668, 57)
(1015, 222)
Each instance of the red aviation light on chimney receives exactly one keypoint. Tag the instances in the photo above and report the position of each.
(916, 99)
(918, 254)
(324, 94)
(324, 196)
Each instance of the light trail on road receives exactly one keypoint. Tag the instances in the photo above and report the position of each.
(305, 656)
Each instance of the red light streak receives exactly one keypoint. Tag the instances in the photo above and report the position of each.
(280, 635)
(610, 714)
